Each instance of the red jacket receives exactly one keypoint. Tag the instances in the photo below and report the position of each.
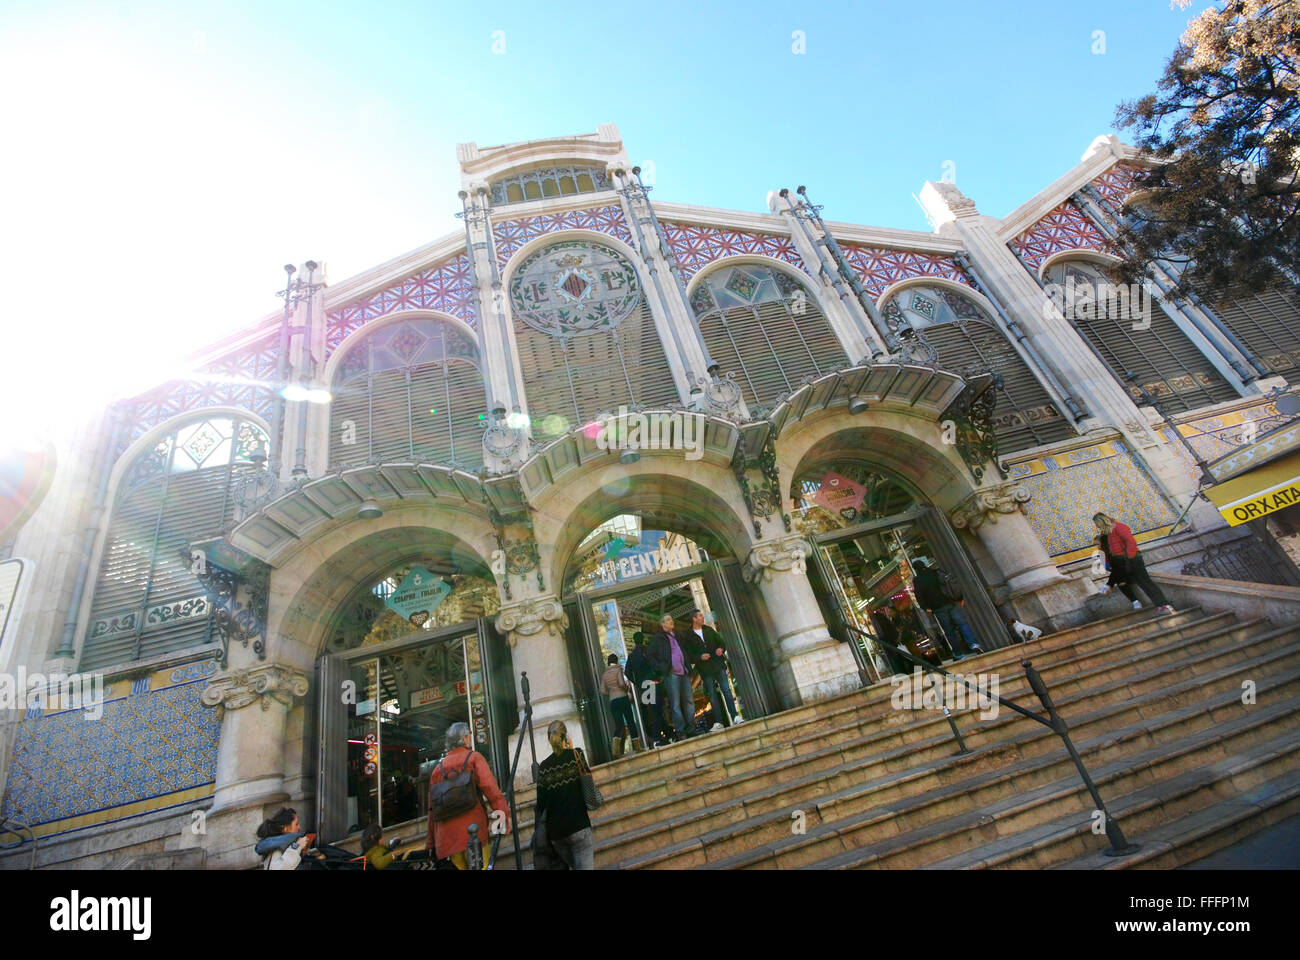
(452, 836)
(1120, 542)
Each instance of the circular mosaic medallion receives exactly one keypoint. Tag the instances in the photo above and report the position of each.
(568, 289)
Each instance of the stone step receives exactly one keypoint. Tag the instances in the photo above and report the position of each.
(961, 785)
(657, 766)
(819, 749)
(743, 796)
(1192, 837)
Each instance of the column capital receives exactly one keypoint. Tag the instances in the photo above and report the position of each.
(780, 554)
(239, 688)
(986, 505)
(530, 617)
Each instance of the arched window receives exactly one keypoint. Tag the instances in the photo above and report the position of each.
(147, 600)
(548, 182)
(412, 390)
(587, 339)
(1168, 365)
(765, 327)
(965, 340)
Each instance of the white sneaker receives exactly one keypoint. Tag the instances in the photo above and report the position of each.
(1137, 604)
(716, 727)
(738, 720)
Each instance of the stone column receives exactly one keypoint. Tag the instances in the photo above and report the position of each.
(814, 665)
(1034, 588)
(535, 629)
(253, 703)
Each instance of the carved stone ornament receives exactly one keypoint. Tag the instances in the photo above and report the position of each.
(264, 682)
(781, 555)
(957, 202)
(530, 618)
(986, 505)
(505, 442)
(721, 395)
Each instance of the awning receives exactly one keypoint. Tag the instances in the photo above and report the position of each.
(1260, 492)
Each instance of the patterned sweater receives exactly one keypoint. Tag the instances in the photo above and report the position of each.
(559, 795)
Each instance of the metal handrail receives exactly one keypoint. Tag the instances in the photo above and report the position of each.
(1119, 845)
(11, 826)
(510, 786)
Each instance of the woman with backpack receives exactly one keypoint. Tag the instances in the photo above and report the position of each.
(1121, 549)
(456, 788)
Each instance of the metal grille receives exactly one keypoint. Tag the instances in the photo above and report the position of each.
(1024, 415)
(1168, 365)
(147, 601)
(576, 378)
(410, 392)
(1268, 324)
(1246, 559)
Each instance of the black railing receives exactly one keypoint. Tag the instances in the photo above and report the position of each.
(1119, 845)
(474, 840)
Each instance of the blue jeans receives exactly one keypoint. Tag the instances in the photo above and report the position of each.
(714, 683)
(682, 702)
(952, 619)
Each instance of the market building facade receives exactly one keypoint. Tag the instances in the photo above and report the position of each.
(503, 454)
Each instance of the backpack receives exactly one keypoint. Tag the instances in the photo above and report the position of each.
(948, 586)
(452, 796)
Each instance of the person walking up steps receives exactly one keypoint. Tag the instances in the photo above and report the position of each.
(1120, 545)
(938, 594)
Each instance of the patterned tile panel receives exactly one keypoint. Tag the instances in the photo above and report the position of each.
(150, 409)
(1116, 184)
(446, 287)
(150, 749)
(877, 268)
(510, 235)
(1065, 228)
(695, 247)
(1069, 488)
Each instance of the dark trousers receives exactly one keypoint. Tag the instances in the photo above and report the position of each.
(621, 707)
(1138, 577)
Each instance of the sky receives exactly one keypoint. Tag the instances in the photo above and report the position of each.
(161, 161)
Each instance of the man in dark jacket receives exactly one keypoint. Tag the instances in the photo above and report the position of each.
(648, 688)
(671, 655)
(930, 594)
(711, 662)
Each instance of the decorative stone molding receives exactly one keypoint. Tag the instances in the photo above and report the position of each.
(781, 555)
(944, 202)
(264, 682)
(530, 618)
(720, 395)
(985, 506)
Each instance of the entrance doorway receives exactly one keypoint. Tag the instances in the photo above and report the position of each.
(866, 579)
(614, 599)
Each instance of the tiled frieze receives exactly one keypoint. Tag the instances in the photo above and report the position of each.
(446, 287)
(1065, 228)
(878, 268)
(695, 247)
(510, 235)
(1117, 183)
(1068, 488)
(153, 747)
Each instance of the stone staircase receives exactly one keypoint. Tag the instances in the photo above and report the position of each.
(1155, 707)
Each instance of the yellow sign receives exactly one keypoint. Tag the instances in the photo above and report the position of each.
(1265, 490)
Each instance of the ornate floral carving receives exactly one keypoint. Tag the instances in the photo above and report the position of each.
(530, 618)
(782, 554)
(721, 394)
(985, 505)
(263, 682)
(235, 619)
(505, 442)
(957, 202)
(976, 441)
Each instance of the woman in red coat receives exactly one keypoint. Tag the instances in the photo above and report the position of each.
(450, 838)
(1122, 548)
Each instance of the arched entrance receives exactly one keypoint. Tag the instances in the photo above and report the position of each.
(875, 534)
(654, 546)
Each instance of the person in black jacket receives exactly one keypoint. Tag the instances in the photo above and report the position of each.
(930, 593)
(561, 811)
(642, 673)
(711, 662)
(671, 653)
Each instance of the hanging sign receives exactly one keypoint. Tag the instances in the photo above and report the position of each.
(418, 596)
(841, 495)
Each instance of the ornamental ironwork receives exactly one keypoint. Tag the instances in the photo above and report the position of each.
(975, 438)
(574, 288)
(235, 620)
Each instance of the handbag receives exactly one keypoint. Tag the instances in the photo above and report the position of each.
(453, 795)
(591, 795)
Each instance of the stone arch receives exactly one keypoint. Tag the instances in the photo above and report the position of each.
(1095, 257)
(356, 336)
(969, 292)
